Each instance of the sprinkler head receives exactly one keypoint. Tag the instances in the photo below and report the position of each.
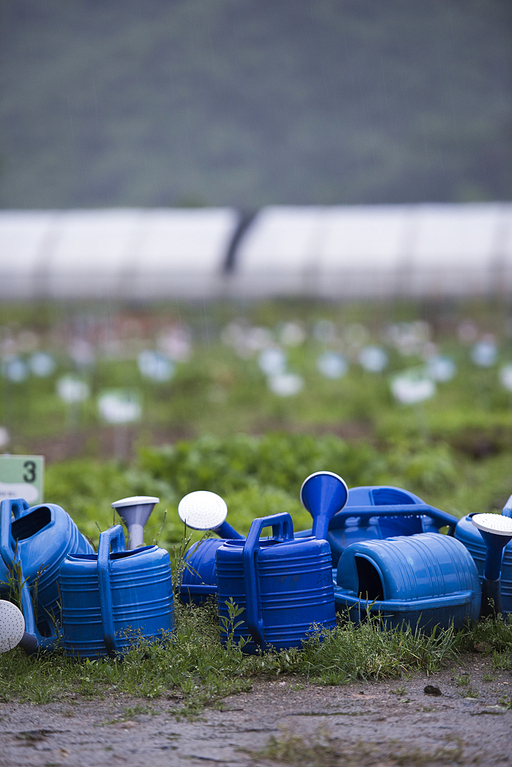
(204, 510)
(12, 626)
(135, 512)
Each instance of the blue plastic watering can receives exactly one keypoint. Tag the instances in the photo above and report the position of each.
(38, 538)
(342, 516)
(376, 512)
(115, 597)
(322, 494)
(283, 584)
(422, 580)
(469, 535)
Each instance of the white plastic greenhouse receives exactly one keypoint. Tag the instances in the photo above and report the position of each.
(336, 252)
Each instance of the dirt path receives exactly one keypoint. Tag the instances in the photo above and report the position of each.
(451, 718)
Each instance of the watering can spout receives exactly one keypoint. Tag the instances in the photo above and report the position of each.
(496, 531)
(204, 510)
(323, 494)
(135, 512)
(12, 629)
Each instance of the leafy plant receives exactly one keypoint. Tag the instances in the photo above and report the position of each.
(229, 624)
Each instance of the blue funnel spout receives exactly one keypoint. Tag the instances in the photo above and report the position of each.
(494, 554)
(323, 494)
(496, 531)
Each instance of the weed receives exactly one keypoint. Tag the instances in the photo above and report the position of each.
(229, 625)
(320, 749)
(138, 710)
(193, 668)
(464, 681)
(316, 750)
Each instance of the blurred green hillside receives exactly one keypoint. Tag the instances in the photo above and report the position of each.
(251, 102)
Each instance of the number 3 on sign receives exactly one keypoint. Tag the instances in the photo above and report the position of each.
(22, 476)
(30, 473)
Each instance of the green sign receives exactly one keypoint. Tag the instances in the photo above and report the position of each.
(22, 476)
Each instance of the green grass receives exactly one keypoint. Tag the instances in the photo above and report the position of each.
(192, 669)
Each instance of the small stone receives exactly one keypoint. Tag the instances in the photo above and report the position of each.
(431, 690)
(483, 647)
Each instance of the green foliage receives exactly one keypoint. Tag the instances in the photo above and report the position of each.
(229, 624)
(368, 651)
(426, 467)
(280, 461)
(259, 476)
(222, 102)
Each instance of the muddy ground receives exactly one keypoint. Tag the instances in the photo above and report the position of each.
(455, 717)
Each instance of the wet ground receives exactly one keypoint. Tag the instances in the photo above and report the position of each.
(455, 717)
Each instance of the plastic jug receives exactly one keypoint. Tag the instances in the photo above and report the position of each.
(199, 580)
(379, 512)
(470, 536)
(114, 597)
(423, 580)
(284, 585)
(39, 537)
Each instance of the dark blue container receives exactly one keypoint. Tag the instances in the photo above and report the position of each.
(40, 537)
(199, 580)
(111, 599)
(379, 512)
(470, 536)
(283, 584)
(423, 580)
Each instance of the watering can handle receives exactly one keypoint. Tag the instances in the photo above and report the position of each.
(282, 530)
(111, 539)
(32, 638)
(7, 545)
(365, 513)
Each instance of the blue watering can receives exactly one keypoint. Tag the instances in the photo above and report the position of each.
(323, 494)
(422, 580)
(283, 584)
(378, 512)
(342, 516)
(470, 536)
(199, 580)
(38, 538)
(112, 598)
(203, 510)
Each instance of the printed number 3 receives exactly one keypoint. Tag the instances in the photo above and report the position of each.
(30, 471)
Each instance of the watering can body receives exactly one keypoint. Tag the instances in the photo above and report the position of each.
(422, 580)
(470, 536)
(39, 537)
(283, 585)
(199, 580)
(115, 597)
(376, 512)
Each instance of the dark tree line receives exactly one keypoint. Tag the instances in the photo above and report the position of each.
(254, 102)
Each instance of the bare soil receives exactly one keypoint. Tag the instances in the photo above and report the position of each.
(454, 717)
